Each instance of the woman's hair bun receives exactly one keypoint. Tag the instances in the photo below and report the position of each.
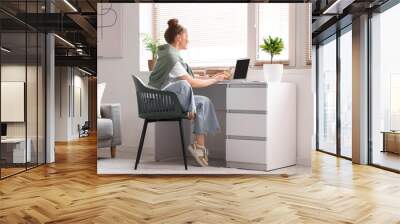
(173, 30)
(172, 22)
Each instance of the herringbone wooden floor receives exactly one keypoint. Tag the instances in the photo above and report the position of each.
(70, 191)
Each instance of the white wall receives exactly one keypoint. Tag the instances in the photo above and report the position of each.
(15, 72)
(66, 121)
(116, 72)
(81, 115)
(61, 104)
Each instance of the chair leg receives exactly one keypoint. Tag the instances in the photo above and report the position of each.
(183, 143)
(139, 153)
(113, 149)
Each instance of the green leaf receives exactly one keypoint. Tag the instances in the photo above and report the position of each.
(272, 46)
(151, 44)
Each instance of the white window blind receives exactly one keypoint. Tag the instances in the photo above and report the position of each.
(217, 32)
(146, 28)
(308, 41)
(273, 19)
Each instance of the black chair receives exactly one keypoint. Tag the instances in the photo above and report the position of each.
(84, 129)
(156, 105)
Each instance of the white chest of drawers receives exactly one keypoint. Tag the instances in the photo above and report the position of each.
(261, 125)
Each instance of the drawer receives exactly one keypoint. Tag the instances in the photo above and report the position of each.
(254, 125)
(246, 99)
(19, 156)
(246, 151)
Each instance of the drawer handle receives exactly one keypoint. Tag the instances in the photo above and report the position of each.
(248, 85)
(247, 111)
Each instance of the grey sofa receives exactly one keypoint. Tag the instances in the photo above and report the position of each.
(109, 127)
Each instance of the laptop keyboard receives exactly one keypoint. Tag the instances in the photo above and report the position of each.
(233, 81)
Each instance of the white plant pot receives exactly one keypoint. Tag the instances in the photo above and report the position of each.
(273, 72)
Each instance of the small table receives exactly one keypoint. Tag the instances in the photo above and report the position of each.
(391, 141)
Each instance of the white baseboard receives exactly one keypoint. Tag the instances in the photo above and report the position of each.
(125, 151)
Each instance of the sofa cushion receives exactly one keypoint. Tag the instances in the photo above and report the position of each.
(104, 128)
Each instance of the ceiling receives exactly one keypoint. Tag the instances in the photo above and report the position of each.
(328, 16)
(74, 22)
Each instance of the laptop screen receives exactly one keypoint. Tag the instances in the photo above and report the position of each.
(242, 65)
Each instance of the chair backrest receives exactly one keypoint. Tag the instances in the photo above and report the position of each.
(86, 125)
(156, 104)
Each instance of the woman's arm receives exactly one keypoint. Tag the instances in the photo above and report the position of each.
(197, 76)
(200, 83)
(224, 73)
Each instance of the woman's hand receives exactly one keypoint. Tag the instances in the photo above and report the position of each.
(219, 77)
(225, 74)
(191, 115)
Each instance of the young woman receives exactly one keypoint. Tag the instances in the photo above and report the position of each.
(173, 74)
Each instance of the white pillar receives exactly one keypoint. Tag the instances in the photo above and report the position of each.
(50, 99)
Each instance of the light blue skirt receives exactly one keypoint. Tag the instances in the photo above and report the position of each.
(206, 121)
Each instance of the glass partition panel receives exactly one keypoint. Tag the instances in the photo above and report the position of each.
(327, 97)
(23, 89)
(14, 153)
(41, 79)
(31, 98)
(385, 89)
(346, 94)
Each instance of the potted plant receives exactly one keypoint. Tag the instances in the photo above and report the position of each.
(273, 46)
(151, 45)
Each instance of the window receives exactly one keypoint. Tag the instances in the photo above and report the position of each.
(273, 19)
(327, 97)
(229, 31)
(217, 28)
(145, 24)
(346, 93)
(334, 96)
(385, 89)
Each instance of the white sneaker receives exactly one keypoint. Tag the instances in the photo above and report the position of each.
(198, 155)
(205, 153)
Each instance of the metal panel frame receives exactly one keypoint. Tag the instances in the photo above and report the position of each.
(334, 37)
(389, 4)
(44, 71)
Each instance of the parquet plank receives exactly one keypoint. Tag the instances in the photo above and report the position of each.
(70, 191)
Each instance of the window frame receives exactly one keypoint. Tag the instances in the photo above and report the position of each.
(292, 37)
(252, 37)
(337, 38)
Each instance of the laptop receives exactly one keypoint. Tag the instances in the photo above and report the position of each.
(241, 68)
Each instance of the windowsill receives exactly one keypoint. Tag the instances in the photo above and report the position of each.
(216, 69)
(261, 63)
